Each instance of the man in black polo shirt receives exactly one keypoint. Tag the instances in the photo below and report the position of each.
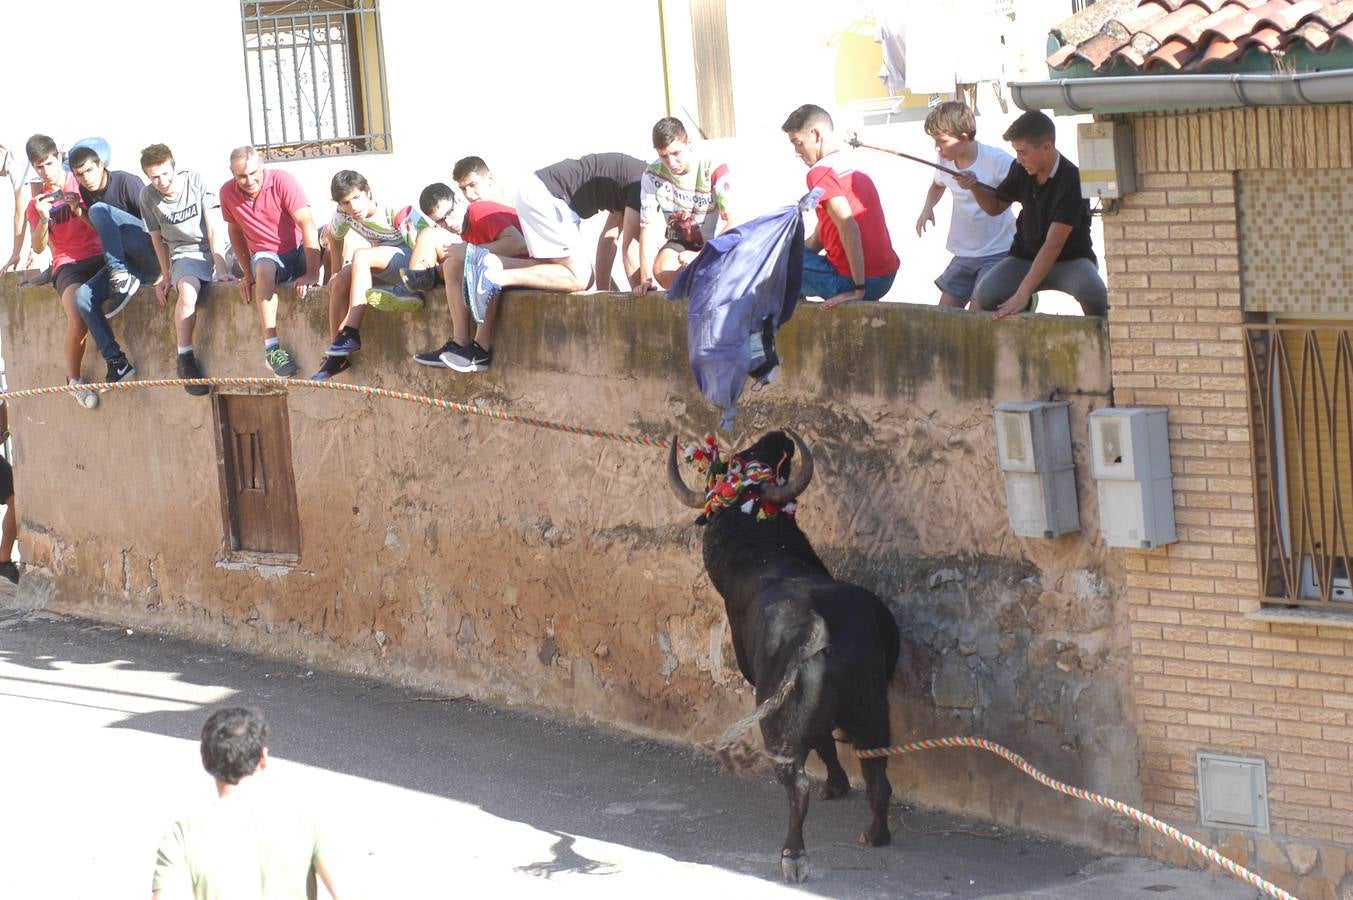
(1052, 248)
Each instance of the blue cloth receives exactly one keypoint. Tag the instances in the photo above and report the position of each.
(739, 279)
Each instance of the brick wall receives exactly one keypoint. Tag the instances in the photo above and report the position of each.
(1206, 676)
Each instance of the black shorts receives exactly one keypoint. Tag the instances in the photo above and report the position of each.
(77, 272)
(6, 480)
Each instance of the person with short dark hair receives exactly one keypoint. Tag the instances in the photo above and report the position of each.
(1052, 248)
(56, 215)
(274, 236)
(678, 193)
(388, 233)
(183, 217)
(485, 223)
(851, 256)
(113, 201)
(551, 206)
(252, 842)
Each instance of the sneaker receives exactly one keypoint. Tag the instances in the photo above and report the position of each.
(344, 344)
(188, 368)
(332, 366)
(416, 280)
(124, 286)
(395, 299)
(473, 358)
(9, 569)
(280, 361)
(480, 288)
(433, 358)
(120, 370)
(84, 396)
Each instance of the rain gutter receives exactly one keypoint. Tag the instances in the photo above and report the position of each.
(1141, 93)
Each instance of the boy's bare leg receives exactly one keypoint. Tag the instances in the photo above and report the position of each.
(363, 262)
(340, 291)
(74, 344)
(185, 309)
(453, 270)
(952, 301)
(427, 248)
(565, 275)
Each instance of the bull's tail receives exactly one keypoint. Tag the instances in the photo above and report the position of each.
(816, 643)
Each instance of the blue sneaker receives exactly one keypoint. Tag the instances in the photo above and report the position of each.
(344, 344)
(332, 366)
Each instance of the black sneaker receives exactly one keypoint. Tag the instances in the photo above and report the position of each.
(332, 366)
(120, 370)
(418, 279)
(124, 287)
(9, 569)
(188, 368)
(433, 358)
(473, 358)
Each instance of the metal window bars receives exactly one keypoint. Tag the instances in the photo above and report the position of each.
(315, 75)
(1301, 401)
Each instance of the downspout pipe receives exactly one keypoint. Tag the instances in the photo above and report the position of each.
(1129, 93)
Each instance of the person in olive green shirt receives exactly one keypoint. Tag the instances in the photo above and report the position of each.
(252, 842)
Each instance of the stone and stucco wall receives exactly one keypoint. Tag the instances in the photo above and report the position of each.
(1207, 675)
(556, 571)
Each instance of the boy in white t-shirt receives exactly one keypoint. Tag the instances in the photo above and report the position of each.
(977, 241)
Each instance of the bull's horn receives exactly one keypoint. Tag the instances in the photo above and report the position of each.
(693, 499)
(781, 494)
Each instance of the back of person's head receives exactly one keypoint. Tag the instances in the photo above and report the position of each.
(808, 116)
(467, 166)
(39, 147)
(345, 182)
(1033, 127)
(951, 118)
(433, 194)
(667, 131)
(155, 155)
(82, 155)
(233, 740)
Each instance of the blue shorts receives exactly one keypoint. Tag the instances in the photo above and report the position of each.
(389, 276)
(290, 265)
(820, 279)
(963, 272)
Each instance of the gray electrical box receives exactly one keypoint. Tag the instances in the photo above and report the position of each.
(1107, 164)
(1130, 461)
(1033, 446)
(1232, 792)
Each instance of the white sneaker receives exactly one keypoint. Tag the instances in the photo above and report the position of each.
(86, 398)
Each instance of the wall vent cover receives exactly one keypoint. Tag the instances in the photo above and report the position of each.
(1232, 792)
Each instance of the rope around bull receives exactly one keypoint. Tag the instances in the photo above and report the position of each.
(1008, 755)
(1117, 806)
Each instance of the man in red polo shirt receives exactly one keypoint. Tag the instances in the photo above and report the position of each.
(859, 261)
(271, 226)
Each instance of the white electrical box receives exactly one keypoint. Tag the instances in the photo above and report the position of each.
(1033, 446)
(1130, 460)
(1108, 166)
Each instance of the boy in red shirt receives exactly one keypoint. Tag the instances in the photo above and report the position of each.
(859, 261)
(57, 215)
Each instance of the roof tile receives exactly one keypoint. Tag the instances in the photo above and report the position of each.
(1188, 35)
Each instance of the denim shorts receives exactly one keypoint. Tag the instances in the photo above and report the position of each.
(290, 265)
(389, 276)
(820, 279)
(963, 273)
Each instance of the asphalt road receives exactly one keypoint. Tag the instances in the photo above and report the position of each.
(441, 797)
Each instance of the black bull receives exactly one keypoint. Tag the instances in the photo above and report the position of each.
(820, 652)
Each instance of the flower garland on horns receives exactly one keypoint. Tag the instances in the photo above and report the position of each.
(728, 480)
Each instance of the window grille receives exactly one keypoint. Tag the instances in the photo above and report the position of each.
(1301, 398)
(315, 73)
